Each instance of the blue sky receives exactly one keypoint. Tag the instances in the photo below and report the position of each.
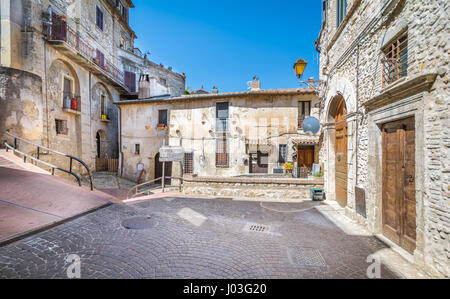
(225, 43)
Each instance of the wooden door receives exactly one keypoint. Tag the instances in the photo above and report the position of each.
(305, 156)
(340, 148)
(399, 198)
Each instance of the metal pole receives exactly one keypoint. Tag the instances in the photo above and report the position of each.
(163, 176)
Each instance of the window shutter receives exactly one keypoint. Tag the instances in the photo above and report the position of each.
(130, 81)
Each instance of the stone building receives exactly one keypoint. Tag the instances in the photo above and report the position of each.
(63, 64)
(384, 106)
(221, 134)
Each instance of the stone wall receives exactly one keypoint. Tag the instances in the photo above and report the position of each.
(20, 105)
(351, 66)
(191, 124)
(264, 189)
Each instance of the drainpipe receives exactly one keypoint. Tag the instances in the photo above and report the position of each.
(357, 113)
(120, 140)
(46, 92)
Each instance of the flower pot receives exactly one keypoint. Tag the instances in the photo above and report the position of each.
(104, 116)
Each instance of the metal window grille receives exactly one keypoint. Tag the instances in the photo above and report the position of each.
(188, 162)
(61, 127)
(222, 156)
(282, 153)
(395, 61)
(137, 149)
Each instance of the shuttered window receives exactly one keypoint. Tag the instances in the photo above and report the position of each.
(188, 162)
(130, 81)
(99, 18)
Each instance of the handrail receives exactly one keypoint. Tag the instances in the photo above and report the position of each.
(39, 147)
(148, 183)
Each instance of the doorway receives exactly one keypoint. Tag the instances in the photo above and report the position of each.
(305, 156)
(159, 168)
(340, 149)
(259, 162)
(98, 140)
(399, 196)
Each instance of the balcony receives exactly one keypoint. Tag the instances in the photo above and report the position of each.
(71, 103)
(68, 41)
(221, 125)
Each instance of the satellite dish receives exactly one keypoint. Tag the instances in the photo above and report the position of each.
(311, 125)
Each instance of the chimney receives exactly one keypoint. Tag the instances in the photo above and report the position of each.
(144, 87)
(255, 84)
(215, 90)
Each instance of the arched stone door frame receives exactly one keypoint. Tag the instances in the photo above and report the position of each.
(339, 88)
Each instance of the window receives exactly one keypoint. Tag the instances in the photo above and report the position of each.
(103, 105)
(100, 58)
(67, 92)
(163, 81)
(324, 9)
(61, 127)
(121, 9)
(162, 118)
(222, 117)
(99, 18)
(395, 61)
(282, 153)
(130, 80)
(188, 162)
(137, 148)
(221, 152)
(341, 11)
(304, 110)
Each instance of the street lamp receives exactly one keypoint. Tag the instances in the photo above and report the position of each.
(299, 67)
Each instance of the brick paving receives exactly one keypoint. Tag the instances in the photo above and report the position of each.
(196, 238)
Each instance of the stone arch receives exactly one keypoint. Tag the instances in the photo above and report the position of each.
(339, 87)
(58, 69)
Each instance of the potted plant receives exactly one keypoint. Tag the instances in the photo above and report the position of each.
(104, 116)
(288, 166)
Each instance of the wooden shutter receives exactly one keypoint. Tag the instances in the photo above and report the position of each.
(130, 81)
(101, 58)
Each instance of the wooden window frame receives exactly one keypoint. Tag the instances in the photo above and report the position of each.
(166, 123)
(395, 59)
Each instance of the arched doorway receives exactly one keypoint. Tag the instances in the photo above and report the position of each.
(340, 149)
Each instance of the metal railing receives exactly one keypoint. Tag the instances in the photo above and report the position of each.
(221, 125)
(15, 149)
(147, 191)
(74, 40)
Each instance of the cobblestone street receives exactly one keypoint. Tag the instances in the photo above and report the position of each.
(197, 238)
